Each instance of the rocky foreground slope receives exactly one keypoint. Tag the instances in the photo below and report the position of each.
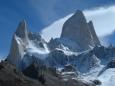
(10, 76)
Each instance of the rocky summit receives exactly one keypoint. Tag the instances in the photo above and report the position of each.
(78, 30)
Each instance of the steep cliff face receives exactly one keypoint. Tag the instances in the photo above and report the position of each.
(22, 32)
(77, 29)
(18, 45)
(93, 33)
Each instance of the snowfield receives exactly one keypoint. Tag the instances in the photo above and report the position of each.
(108, 77)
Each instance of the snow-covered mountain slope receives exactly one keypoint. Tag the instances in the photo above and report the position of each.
(83, 61)
(108, 77)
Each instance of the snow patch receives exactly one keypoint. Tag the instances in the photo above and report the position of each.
(18, 40)
(108, 77)
(33, 48)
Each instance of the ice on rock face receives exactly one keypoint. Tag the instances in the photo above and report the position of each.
(33, 48)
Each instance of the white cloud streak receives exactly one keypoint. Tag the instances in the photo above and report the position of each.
(54, 30)
(103, 19)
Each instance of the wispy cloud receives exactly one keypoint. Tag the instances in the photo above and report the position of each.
(99, 11)
(102, 17)
(54, 30)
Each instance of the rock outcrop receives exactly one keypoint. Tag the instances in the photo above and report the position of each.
(16, 53)
(111, 64)
(77, 29)
(94, 35)
(22, 31)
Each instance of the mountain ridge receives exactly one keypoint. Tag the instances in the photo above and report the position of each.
(75, 56)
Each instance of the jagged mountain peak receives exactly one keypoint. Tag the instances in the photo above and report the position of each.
(19, 43)
(78, 12)
(26, 45)
(78, 30)
(94, 35)
(74, 21)
(79, 16)
(77, 47)
(22, 30)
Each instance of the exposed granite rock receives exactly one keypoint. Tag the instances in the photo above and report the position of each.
(56, 58)
(18, 45)
(16, 52)
(64, 44)
(34, 36)
(111, 64)
(77, 29)
(92, 30)
(22, 31)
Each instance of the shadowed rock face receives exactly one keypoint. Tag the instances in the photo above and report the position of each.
(10, 76)
(16, 53)
(77, 29)
(92, 30)
(18, 45)
(111, 64)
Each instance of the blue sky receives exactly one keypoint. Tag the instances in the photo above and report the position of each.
(38, 14)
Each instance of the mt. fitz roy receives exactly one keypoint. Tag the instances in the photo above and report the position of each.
(76, 30)
(76, 55)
